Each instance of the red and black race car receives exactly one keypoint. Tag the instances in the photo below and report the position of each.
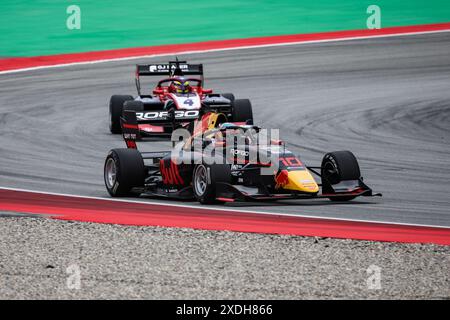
(225, 162)
(175, 101)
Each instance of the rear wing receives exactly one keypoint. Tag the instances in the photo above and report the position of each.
(171, 69)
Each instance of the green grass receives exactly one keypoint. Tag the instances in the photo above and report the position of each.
(38, 27)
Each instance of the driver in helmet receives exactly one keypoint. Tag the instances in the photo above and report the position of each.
(249, 133)
(180, 85)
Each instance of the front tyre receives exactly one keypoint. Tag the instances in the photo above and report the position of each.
(115, 112)
(229, 96)
(123, 171)
(339, 166)
(205, 179)
(242, 110)
(131, 105)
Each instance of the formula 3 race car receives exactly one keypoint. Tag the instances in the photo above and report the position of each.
(175, 101)
(191, 173)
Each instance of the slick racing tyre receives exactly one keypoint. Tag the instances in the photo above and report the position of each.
(336, 167)
(229, 96)
(115, 112)
(124, 170)
(204, 180)
(242, 111)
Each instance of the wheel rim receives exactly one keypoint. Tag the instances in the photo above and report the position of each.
(110, 173)
(331, 172)
(200, 180)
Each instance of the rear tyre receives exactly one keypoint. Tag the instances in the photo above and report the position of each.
(124, 170)
(205, 178)
(115, 112)
(229, 96)
(242, 110)
(336, 167)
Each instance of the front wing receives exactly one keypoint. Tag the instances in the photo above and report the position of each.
(230, 193)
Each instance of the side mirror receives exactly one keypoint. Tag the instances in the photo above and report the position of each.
(207, 91)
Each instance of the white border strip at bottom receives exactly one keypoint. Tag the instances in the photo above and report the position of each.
(203, 207)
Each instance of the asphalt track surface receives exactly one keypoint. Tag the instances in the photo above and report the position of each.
(386, 99)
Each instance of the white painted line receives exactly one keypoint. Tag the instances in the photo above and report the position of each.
(203, 207)
(220, 49)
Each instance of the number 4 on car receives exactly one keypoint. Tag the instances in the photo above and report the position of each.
(164, 108)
